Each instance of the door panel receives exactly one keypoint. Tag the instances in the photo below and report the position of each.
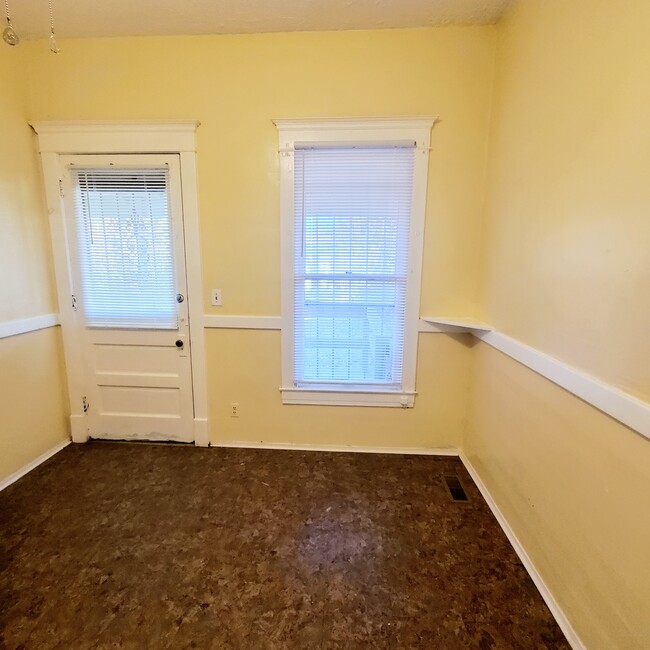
(127, 264)
(131, 360)
(124, 401)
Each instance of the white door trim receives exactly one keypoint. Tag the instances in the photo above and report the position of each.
(116, 137)
(177, 137)
(195, 290)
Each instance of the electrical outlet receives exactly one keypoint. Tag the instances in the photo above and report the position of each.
(234, 410)
(216, 298)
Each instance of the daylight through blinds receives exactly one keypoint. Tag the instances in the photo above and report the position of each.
(126, 253)
(351, 230)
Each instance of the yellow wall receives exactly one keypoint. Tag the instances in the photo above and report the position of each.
(32, 393)
(236, 85)
(33, 398)
(563, 264)
(567, 270)
(566, 263)
(27, 284)
(435, 421)
(574, 485)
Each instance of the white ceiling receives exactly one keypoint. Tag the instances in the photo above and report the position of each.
(89, 18)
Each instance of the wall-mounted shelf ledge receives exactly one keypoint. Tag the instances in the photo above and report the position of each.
(464, 323)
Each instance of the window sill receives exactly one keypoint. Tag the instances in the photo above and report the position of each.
(347, 397)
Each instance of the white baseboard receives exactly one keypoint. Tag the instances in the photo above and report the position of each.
(12, 478)
(201, 435)
(287, 446)
(556, 611)
(559, 616)
(79, 427)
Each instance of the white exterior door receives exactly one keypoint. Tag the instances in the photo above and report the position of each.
(123, 218)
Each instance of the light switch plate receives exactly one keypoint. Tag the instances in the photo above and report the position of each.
(216, 297)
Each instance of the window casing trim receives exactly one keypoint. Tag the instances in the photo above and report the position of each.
(348, 397)
(295, 134)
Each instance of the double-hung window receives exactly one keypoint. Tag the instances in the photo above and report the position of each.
(352, 201)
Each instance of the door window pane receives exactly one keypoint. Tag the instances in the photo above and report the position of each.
(126, 251)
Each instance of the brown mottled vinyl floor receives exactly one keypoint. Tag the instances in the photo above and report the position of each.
(144, 546)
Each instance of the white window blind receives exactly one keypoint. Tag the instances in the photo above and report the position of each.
(125, 238)
(352, 209)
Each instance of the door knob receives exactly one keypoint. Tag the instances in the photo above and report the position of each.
(180, 297)
(179, 343)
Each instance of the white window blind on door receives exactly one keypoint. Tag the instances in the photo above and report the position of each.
(352, 209)
(126, 252)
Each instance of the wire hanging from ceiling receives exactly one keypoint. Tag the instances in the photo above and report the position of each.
(53, 45)
(9, 35)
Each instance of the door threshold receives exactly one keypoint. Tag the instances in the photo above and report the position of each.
(163, 443)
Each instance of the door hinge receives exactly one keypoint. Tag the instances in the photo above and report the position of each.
(61, 190)
(74, 302)
(85, 403)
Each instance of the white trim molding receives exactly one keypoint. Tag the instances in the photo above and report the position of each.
(214, 321)
(622, 406)
(458, 324)
(116, 137)
(627, 409)
(401, 399)
(194, 274)
(12, 478)
(58, 139)
(355, 449)
(425, 327)
(295, 134)
(555, 609)
(371, 128)
(201, 432)
(238, 322)
(25, 325)
(546, 594)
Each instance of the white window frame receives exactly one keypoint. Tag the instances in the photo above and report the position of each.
(349, 132)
